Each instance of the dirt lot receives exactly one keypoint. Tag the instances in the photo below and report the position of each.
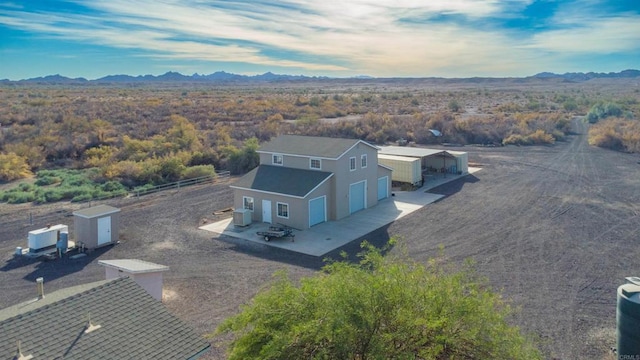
(554, 228)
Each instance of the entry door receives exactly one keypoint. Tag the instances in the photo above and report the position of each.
(266, 211)
(357, 197)
(317, 211)
(104, 230)
(383, 187)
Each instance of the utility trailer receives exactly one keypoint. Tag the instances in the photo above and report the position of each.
(276, 232)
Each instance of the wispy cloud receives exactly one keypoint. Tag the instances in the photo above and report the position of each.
(347, 36)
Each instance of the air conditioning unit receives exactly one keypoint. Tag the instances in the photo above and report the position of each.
(242, 217)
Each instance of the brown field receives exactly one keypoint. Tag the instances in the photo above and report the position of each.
(554, 228)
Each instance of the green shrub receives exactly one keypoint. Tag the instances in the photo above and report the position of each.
(20, 197)
(47, 180)
(198, 171)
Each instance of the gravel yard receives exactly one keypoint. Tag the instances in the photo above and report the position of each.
(554, 228)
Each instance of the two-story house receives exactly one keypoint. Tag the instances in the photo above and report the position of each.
(303, 181)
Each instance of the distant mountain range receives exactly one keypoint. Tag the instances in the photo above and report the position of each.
(225, 77)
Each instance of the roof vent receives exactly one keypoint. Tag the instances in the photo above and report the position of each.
(19, 355)
(90, 327)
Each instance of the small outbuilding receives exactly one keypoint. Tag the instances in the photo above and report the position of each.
(96, 226)
(146, 274)
(405, 169)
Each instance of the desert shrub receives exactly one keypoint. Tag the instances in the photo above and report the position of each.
(171, 169)
(516, 139)
(616, 134)
(19, 197)
(13, 167)
(601, 111)
(198, 171)
(540, 137)
(47, 180)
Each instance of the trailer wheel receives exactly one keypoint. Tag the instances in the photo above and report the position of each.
(266, 238)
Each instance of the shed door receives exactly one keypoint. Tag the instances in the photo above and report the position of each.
(356, 196)
(104, 230)
(383, 187)
(317, 211)
(266, 211)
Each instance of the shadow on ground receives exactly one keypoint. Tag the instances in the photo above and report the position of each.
(378, 238)
(453, 187)
(54, 268)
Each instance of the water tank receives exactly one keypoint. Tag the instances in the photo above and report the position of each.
(628, 321)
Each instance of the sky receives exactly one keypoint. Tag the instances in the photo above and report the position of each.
(336, 38)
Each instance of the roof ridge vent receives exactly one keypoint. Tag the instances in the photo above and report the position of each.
(91, 327)
(20, 356)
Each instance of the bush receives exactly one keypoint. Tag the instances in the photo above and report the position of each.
(13, 167)
(198, 171)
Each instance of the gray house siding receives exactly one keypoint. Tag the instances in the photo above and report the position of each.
(298, 207)
(344, 177)
(296, 152)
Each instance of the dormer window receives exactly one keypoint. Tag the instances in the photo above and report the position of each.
(363, 161)
(277, 159)
(315, 164)
(352, 163)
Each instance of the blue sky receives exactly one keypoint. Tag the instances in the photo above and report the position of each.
(383, 38)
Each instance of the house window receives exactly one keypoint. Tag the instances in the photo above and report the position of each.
(247, 202)
(315, 164)
(352, 163)
(363, 161)
(277, 159)
(283, 210)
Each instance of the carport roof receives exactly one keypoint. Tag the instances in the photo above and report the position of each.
(412, 151)
(282, 180)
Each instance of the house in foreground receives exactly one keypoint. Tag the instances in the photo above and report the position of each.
(110, 319)
(303, 181)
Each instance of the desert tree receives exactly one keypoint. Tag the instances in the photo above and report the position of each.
(384, 307)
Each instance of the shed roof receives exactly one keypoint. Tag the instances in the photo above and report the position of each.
(96, 211)
(133, 325)
(282, 180)
(412, 151)
(313, 146)
(133, 266)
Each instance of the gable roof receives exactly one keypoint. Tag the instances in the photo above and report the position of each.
(282, 180)
(313, 146)
(133, 325)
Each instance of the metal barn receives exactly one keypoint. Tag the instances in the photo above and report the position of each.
(405, 169)
(96, 226)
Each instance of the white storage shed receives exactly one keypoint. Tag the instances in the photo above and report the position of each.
(96, 226)
(405, 169)
(146, 274)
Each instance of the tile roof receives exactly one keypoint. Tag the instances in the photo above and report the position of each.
(314, 146)
(282, 180)
(133, 325)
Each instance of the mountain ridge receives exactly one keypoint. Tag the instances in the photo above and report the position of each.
(226, 77)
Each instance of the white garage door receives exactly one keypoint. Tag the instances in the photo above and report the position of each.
(357, 196)
(317, 211)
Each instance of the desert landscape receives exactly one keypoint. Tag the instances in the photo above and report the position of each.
(552, 227)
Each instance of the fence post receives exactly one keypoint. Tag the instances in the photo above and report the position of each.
(30, 218)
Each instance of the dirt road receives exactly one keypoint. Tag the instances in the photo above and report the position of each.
(554, 228)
